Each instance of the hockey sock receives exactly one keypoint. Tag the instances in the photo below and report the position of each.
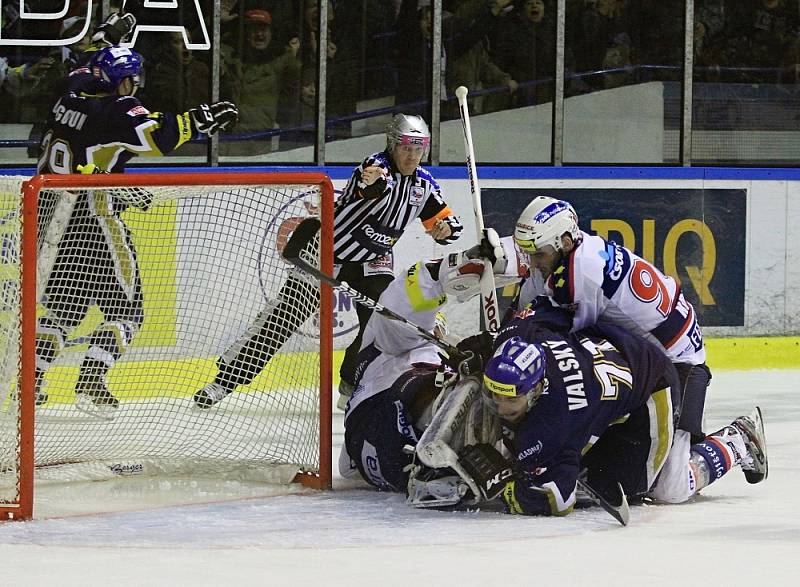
(715, 455)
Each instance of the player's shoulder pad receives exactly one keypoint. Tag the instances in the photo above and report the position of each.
(426, 175)
(590, 258)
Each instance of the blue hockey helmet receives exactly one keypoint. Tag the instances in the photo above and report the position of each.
(111, 65)
(516, 369)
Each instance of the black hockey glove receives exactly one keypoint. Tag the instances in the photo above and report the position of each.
(209, 119)
(487, 467)
(115, 29)
(479, 346)
(465, 364)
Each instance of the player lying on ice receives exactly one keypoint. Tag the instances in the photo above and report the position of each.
(545, 386)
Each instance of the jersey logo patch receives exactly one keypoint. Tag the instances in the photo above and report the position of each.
(617, 267)
(417, 195)
(138, 111)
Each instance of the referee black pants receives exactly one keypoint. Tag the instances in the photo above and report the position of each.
(371, 286)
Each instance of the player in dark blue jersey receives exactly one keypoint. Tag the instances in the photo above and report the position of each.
(99, 125)
(600, 400)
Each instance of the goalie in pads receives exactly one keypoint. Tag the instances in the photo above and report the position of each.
(403, 383)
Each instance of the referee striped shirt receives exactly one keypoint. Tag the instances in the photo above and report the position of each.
(365, 229)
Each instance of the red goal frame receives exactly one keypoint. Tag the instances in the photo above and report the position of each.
(23, 508)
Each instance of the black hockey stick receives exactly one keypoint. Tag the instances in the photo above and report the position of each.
(621, 512)
(360, 298)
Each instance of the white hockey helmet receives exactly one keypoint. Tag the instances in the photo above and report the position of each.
(408, 129)
(543, 222)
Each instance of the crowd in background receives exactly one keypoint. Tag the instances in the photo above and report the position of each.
(382, 49)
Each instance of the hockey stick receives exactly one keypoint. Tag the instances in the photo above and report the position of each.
(360, 298)
(491, 311)
(621, 512)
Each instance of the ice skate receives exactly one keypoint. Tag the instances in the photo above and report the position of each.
(211, 394)
(754, 464)
(93, 397)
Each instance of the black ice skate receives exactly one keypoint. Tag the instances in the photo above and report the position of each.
(211, 394)
(754, 464)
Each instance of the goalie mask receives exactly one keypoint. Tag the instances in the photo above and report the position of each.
(543, 223)
(407, 129)
(111, 65)
(517, 369)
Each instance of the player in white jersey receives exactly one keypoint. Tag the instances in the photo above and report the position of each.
(601, 281)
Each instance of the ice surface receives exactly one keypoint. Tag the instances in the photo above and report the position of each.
(245, 534)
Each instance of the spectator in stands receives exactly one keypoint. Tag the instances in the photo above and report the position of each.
(600, 26)
(758, 35)
(362, 33)
(709, 40)
(524, 46)
(348, 44)
(264, 76)
(229, 22)
(20, 88)
(657, 31)
(465, 60)
(470, 64)
(178, 78)
(412, 57)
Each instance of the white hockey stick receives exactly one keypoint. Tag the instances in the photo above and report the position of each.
(491, 311)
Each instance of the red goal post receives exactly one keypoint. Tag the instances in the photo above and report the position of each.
(208, 246)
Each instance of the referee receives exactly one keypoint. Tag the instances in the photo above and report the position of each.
(383, 196)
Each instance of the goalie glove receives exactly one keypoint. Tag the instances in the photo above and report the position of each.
(209, 119)
(114, 30)
(487, 467)
(460, 273)
(491, 249)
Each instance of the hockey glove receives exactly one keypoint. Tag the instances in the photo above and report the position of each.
(114, 30)
(209, 119)
(491, 249)
(90, 169)
(479, 346)
(487, 467)
(465, 364)
(460, 272)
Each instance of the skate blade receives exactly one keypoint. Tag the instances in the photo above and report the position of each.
(85, 404)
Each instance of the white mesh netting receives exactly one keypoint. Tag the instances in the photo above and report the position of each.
(140, 293)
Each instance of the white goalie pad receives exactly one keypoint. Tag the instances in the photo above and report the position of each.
(435, 493)
(459, 420)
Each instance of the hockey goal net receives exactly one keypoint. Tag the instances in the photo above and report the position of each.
(207, 250)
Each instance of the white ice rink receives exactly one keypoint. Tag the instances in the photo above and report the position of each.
(735, 534)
